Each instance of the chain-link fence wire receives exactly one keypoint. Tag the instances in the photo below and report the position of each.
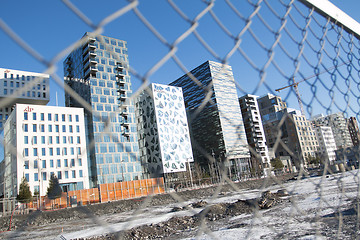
(279, 44)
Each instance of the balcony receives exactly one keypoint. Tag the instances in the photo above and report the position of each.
(122, 97)
(121, 89)
(124, 112)
(126, 132)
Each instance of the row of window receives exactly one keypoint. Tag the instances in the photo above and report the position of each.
(35, 115)
(17, 85)
(65, 139)
(60, 175)
(50, 163)
(50, 128)
(23, 77)
(34, 94)
(58, 151)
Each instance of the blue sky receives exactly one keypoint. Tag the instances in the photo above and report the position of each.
(50, 26)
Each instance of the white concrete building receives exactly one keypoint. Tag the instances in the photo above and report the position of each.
(327, 145)
(164, 137)
(21, 87)
(254, 131)
(44, 140)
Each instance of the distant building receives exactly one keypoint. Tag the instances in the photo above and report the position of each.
(21, 87)
(41, 141)
(216, 126)
(287, 131)
(349, 156)
(327, 145)
(164, 138)
(98, 72)
(339, 126)
(254, 131)
(354, 130)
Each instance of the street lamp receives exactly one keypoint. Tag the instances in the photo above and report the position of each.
(191, 179)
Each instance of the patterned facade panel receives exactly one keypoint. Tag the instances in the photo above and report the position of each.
(164, 138)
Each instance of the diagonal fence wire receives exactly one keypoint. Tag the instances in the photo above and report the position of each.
(299, 43)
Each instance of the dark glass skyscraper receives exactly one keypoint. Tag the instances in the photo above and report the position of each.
(98, 72)
(216, 124)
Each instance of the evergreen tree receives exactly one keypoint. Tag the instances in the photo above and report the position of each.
(276, 163)
(25, 194)
(54, 190)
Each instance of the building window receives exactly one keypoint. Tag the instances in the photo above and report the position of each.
(26, 152)
(63, 117)
(35, 152)
(27, 177)
(80, 173)
(42, 116)
(35, 140)
(49, 116)
(66, 163)
(44, 176)
(80, 162)
(71, 128)
(36, 177)
(58, 151)
(50, 128)
(73, 174)
(57, 139)
(25, 116)
(78, 139)
(72, 163)
(63, 128)
(43, 163)
(35, 164)
(26, 128)
(26, 164)
(56, 117)
(56, 128)
(34, 116)
(43, 139)
(77, 128)
(58, 163)
(43, 152)
(59, 174)
(51, 163)
(26, 139)
(34, 127)
(42, 128)
(70, 118)
(51, 151)
(77, 118)
(66, 174)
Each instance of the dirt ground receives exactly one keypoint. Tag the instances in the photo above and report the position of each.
(44, 218)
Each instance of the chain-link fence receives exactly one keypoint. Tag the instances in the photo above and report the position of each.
(290, 61)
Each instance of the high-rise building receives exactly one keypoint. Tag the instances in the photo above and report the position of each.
(98, 72)
(339, 126)
(21, 87)
(216, 125)
(163, 132)
(254, 131)
(327, 144)
(354, 130)
(298, 138)
(41, 141)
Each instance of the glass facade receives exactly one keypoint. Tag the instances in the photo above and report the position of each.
(98, 72)
(216, 126)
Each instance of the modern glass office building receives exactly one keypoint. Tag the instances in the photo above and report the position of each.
(21, 87)
(216, 124)
(98, 72)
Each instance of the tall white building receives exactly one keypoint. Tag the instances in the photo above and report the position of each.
(21, 87)
(41, 141)
(339, 126)
(164, 137)
(254, 130)
(327, 145)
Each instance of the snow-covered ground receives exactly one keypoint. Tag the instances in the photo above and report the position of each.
(299, 217)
